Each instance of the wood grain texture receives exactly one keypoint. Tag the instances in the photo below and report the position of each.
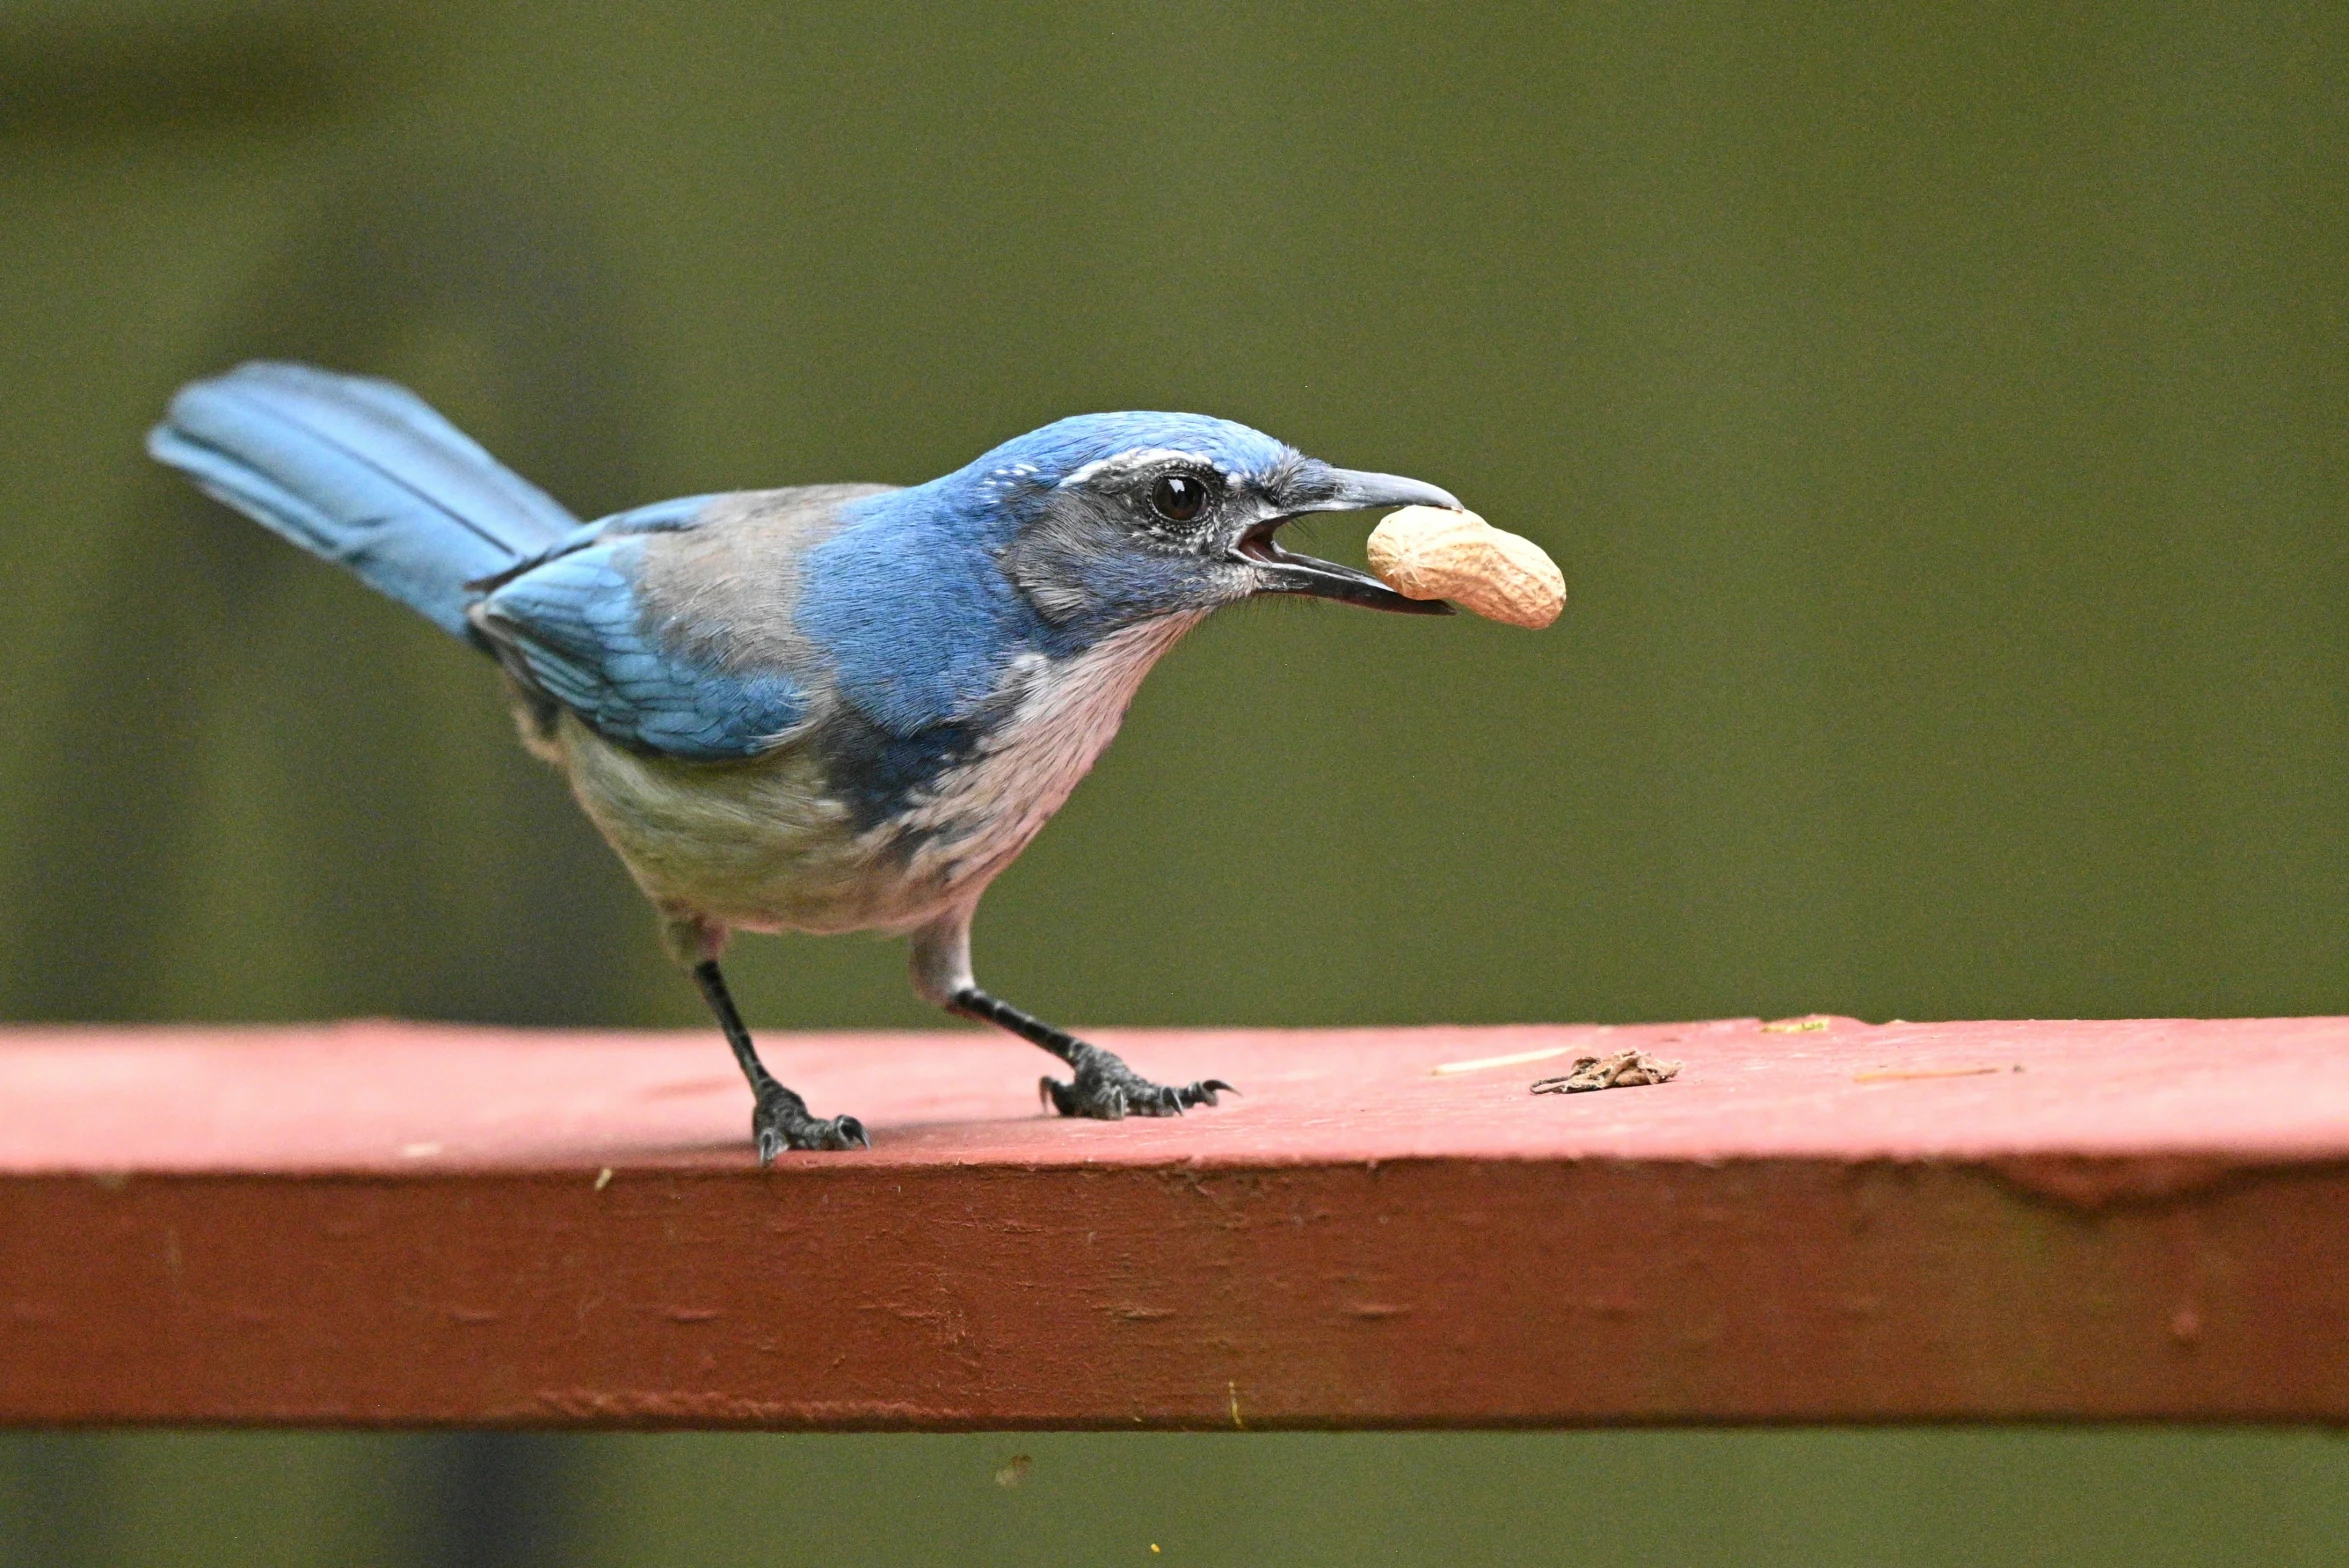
(383, 1224)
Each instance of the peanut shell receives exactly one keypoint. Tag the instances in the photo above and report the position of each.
(1427, 552)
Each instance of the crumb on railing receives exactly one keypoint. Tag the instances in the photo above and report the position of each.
(1623, 1070)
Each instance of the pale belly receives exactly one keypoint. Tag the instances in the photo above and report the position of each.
(760, 846)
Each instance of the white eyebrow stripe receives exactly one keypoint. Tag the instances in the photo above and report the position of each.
(1141, 457)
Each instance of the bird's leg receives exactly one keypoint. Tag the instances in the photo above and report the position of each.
(1105, 1087)
(779, 1120)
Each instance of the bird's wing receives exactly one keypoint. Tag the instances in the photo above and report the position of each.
(658, 517)
(575, 629)
(671, 629)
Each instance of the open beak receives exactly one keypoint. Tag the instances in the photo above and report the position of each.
(1347, 490)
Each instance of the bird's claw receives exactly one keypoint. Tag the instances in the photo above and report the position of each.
(1108, 1090)
(781, 1122)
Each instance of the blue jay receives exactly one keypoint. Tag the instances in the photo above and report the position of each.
(829, 708)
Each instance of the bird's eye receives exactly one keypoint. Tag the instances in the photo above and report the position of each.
(1178, 497)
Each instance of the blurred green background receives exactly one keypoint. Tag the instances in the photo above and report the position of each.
(1937, 410)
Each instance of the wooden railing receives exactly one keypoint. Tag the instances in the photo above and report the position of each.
(1817, 1220)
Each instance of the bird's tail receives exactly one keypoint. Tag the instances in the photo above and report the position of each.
(364, 473)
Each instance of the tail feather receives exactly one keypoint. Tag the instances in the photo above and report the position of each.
(363, 473)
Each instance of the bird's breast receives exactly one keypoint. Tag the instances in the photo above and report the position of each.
(969, 822)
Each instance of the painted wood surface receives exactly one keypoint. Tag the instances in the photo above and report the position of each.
(377, 1223)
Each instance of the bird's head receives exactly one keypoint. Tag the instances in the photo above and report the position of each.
(1108, 519)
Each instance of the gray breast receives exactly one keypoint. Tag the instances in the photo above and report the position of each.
(983, 805)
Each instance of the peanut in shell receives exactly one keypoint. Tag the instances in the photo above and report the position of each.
(1428, 552)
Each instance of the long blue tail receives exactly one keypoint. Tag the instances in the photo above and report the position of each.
(364, 473)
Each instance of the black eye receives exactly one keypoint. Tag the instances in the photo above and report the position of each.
(1178, 497)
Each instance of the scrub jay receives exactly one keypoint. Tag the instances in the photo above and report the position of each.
(828, 708)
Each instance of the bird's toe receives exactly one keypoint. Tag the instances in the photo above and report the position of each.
(1112, 1091)
(782, 1123)
(1091, 1098)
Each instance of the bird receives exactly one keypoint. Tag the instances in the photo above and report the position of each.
(823, 708)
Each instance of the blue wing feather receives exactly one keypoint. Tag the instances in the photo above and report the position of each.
(574, 628)
(656, 517)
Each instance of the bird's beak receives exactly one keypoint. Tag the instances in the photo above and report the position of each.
(1340, 490)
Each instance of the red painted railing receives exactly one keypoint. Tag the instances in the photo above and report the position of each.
(1822, 1220)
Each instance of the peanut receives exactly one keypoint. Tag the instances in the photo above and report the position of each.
(1426, 552)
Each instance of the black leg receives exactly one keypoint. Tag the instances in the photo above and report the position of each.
(1105, 1088)
(779, 1120)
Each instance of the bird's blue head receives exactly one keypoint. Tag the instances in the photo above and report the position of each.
(1108, 519)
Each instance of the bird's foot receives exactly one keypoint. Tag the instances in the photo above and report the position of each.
(781, 1122)
(1108, 1090)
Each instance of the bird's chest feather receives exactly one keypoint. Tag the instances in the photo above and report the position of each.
(975, 816)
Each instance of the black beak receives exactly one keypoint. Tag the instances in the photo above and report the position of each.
(1341, 490)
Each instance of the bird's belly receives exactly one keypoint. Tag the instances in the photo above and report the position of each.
(757, 846)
